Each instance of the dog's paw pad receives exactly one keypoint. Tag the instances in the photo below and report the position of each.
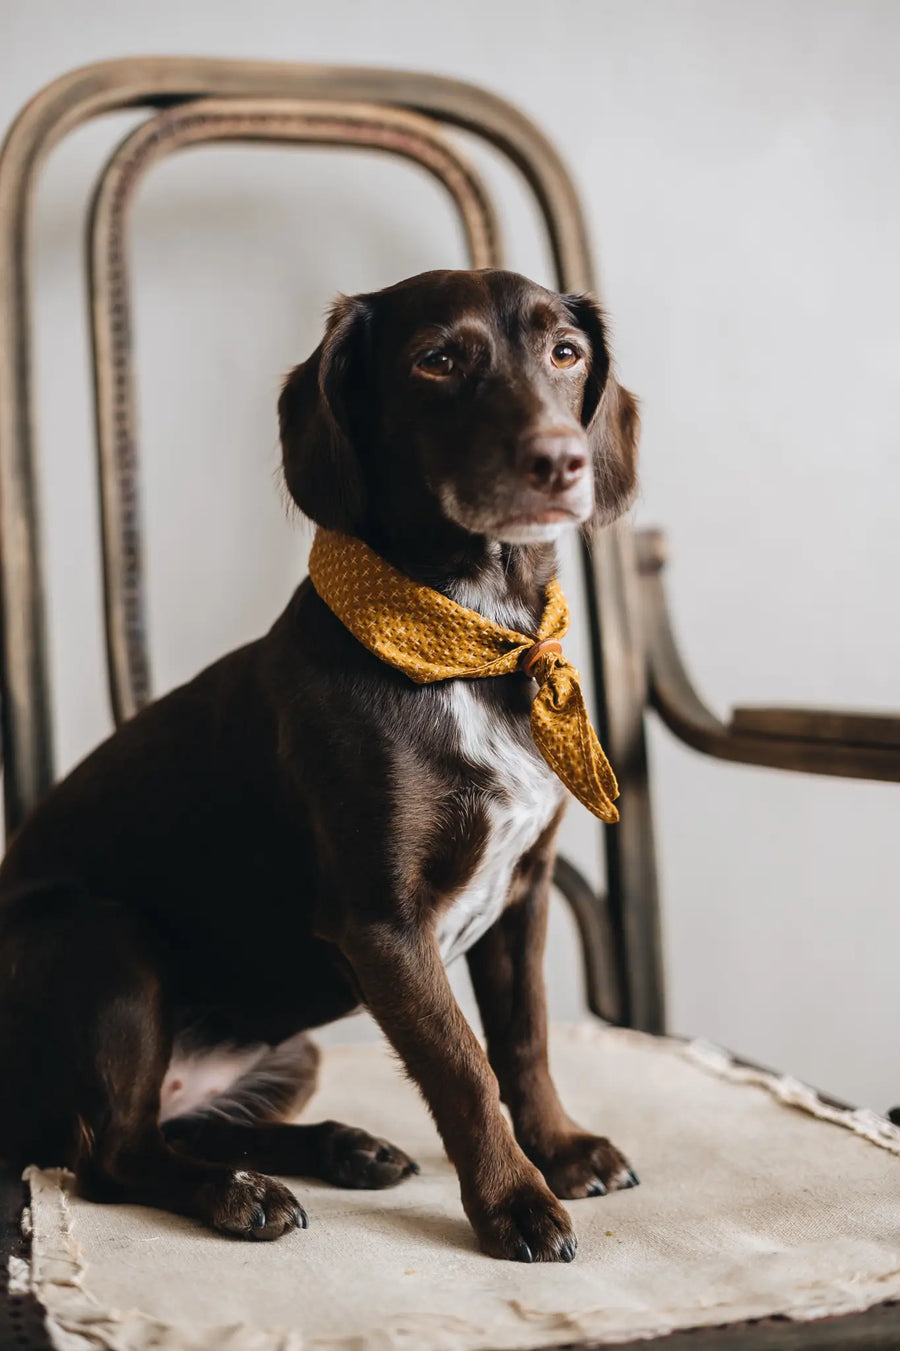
(529, 1225)
(353, 1158)
(586, 1165)
(250, 1206)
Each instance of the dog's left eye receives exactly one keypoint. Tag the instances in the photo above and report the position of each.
(435, 364)
(565, 354)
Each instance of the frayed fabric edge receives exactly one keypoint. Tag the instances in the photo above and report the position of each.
(793, 1093)
(76, 1321)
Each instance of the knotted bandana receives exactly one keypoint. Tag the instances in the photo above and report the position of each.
(429, 637)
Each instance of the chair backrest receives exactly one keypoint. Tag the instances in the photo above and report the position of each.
(189, 100)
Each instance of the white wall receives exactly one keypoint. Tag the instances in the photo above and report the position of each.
(739, 167)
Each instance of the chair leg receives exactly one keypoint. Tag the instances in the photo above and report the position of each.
(602, 972)
(619, 667)
(634, 905)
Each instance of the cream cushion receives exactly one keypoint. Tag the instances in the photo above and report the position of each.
(756, 1199)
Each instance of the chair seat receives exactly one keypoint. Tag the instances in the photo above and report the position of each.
(756, 1199)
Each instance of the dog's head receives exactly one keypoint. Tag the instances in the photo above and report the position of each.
(473, 398)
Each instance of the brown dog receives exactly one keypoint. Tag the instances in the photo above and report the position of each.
(301, 829)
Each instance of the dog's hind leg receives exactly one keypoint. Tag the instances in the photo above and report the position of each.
(84, 1044)
(245, 1125)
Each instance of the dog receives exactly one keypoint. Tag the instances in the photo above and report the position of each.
(301, 829)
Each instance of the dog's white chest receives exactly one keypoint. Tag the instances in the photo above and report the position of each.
(529, 795)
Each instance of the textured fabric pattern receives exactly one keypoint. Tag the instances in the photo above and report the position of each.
(749, 1206)
(429, 637)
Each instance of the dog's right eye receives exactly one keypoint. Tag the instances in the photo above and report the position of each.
(436, 365)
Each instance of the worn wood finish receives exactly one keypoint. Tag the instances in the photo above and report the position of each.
(203, 121)
(602, 978)
(819, 724)
(632, 897)
(877, 1329)
(848, 745)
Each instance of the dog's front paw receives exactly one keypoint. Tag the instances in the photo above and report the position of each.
(249, 1205)
(584, 1165)
(527, 1225)
(349, 1157)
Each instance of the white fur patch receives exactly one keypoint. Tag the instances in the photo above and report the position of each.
(531, 533)
(192, 1081)
(532, 796)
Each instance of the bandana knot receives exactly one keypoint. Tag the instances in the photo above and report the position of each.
(429, 637)
(547, 647)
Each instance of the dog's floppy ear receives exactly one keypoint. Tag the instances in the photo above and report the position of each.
(609, 414)
(319, 414)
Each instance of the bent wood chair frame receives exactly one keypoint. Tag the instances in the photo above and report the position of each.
(636, 663)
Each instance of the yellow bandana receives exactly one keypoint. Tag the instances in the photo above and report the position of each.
(429, 637)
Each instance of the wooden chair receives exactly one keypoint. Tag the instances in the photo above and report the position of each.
(636, 662)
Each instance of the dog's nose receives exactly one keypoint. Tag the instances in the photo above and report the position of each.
(552, 461)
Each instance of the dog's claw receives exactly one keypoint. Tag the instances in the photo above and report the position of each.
(250, 1205)
(526, 1225)
(581, 1164)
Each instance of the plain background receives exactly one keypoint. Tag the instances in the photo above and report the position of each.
(738, 163)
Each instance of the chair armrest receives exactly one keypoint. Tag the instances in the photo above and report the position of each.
(850, 745)
(819, 724)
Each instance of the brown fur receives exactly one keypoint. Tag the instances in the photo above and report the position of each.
(274, 843)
